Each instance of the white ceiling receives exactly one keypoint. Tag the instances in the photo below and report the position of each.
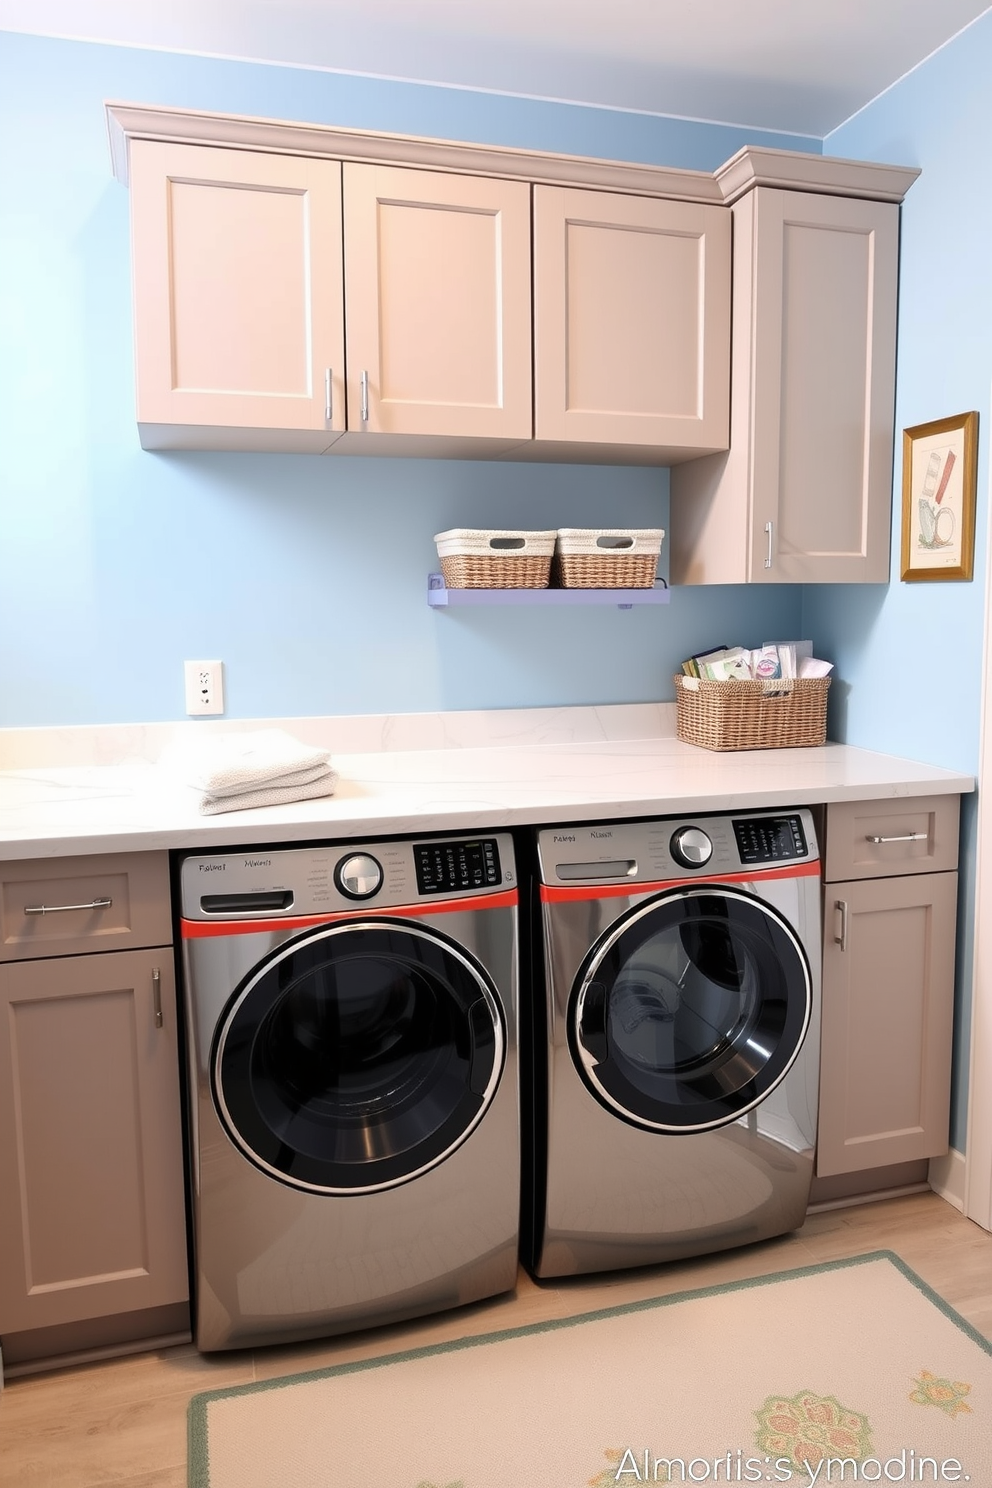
(798, 65)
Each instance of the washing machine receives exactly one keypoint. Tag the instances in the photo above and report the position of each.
(675, 1058)
(351, 1015)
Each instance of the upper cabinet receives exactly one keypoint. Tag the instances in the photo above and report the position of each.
(804, 493)
(437, 296)
(238, 313)
(631, 321)
(300, 287)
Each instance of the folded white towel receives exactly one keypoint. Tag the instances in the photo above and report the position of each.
(296, 777)
(270, 795)
(227, 763)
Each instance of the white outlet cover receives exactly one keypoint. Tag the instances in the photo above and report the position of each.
(204, 687)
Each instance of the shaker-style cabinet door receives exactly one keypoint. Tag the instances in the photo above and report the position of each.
(804, 494)
(888, 992)
(631, 320)
(437, 273)
(823, 394)
(92, 1221)
(238, 298)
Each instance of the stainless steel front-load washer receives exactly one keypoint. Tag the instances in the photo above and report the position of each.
(675, 1062)
(351, 1013)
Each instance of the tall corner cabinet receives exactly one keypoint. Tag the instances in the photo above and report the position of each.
(804, 494)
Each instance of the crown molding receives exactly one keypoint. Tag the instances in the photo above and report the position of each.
(791, 170)
(126, 121)
(752, 166)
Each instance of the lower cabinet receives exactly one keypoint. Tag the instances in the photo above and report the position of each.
(92, 1223)
(888, 984)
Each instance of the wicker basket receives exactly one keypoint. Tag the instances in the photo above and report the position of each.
(607, 558)
(779, 714)
(476, 558)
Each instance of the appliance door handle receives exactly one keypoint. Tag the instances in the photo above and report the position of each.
(592, 1022)
(841, 906)
(482, 1039)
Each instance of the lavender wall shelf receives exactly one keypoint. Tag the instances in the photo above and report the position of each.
(439, 597)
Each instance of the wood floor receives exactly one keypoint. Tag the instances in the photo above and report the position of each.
(123, 1422)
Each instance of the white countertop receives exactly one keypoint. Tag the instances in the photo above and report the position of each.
(99, 790)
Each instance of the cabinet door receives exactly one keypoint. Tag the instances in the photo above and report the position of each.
(888, 990)
(631, 320)
(437, 272)
(93, 1219)
(823, 349)
(238, 293)
(804, 494)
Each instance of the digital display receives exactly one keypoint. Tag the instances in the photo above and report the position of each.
(444, 866)
(770, 839)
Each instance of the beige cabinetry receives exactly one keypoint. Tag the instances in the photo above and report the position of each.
(804, 493)
(290, 302)
(631, 321)
(238, 313)
(92, 1224)
(437, 290)
(890, 900)
(301, 287)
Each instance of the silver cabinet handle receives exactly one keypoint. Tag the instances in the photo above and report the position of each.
(34, 909)
(365, 397)
(328, 397)
(841, 939)
(769, 529)
(157, 995)
(906, 837)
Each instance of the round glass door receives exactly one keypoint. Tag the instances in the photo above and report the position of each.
(358, 1057)
(691, 1010)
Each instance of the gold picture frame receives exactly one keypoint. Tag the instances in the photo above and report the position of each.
(939, 492)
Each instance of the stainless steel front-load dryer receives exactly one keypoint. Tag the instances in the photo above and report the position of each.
(351, 1013)
(676, 1058)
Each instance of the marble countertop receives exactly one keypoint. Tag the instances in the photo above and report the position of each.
(100, 790)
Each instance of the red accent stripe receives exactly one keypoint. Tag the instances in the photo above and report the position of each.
(201, 929)
(552, 894)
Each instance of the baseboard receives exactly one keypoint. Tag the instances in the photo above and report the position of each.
(947, 1177)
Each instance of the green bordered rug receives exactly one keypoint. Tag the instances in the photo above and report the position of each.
(854, 1371)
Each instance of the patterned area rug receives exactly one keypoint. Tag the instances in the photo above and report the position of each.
(849, 1372)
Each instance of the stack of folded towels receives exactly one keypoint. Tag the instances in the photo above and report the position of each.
(266, 767)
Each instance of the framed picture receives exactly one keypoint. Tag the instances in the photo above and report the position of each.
(939, 485)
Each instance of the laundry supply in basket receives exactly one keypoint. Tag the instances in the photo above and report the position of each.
(736, 698)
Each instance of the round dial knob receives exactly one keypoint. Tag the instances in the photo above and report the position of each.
(691, 847)
(359, 877)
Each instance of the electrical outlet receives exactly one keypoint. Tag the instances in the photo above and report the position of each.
(204, 687)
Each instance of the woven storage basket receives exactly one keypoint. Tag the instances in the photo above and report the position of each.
(607, 557)
(478, 558)
(779, 714)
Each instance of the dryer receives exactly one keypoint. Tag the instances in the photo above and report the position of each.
(353, 1092)
(675, 1057)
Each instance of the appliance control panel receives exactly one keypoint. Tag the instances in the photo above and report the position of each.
(338, 877)
(770, 839)
(443, 867)
(675, 849)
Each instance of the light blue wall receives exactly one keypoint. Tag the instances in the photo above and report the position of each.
(307, 576)
(910, 655)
